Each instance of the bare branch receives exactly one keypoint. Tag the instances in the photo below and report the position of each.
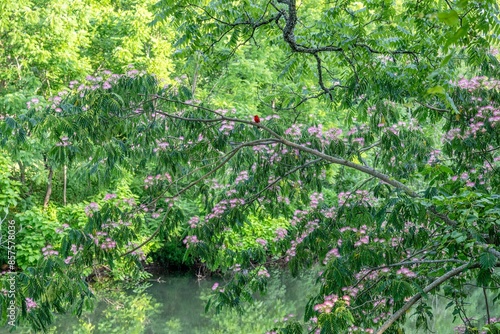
(152, 235)
(418, 296)
(432, 107)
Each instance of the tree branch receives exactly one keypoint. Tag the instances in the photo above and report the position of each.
(418, 296)
(335, 160)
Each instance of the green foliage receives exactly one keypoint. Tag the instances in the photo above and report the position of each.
(9, 189)
(130, 314)
(49, 43)
(376, 155)
(37, 229)
(53, 285)
(171, 256)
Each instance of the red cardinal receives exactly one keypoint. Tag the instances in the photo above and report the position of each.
(256, 119)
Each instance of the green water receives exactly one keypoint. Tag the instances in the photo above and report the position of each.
(176, 305)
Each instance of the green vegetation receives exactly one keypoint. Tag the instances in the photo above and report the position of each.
(236, 137)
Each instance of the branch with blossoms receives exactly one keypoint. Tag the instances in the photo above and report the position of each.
(294, 159)
(222, 162)
(364, 169)
(409, 263)
(334, 160)
(428, 288)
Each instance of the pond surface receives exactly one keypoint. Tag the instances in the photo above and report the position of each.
(176, 305)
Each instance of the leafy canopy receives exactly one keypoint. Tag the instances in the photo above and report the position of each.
(395, 195)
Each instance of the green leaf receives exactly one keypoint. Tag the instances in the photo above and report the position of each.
(445, 169)
(457, 35)
(451, 103)
(446, 59)
(487, 260)
(449, 17)
(436, 90)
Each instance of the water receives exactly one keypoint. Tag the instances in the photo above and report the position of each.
(176, 305)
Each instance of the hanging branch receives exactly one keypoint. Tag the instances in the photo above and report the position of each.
(418, 296)
(335, 160)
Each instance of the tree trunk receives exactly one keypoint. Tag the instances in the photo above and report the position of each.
(22, 171)
(49, 188)
(65, 180)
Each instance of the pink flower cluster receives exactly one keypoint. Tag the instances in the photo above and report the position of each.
(297, 217)
(108, 243)
(396, 241)
(64, 142)
(150, 180)
(330, 254)
(329, 303)
(48, 251)
(361, 230)
(112, 224)
(261, 242)
(63, 227)
(137, 252)
(281, 199)
(242, 177)
(316, 131)
(226, 127)
(477, 83)
(332, 135)
(325, 137)
(370, 274)
(351, 291)
(294, 131)
(281, 233)
(315, 198)
(406, 272)
(364, 240)
(193, 222)
(381, 316)
(105, 82)
(477, 124)
(360, 329)
(102, 240)
(308, 229)
(272, 153)
(56, 101)
(91, 208)
(433, 157)
(108, 197)
(263, 273)
(221, 207)
(361, 197)
(329, 212)
(30, 304)
(74, 250)
(161, 146)
(129, 201)
(476, 176)
(190, 240)
(34, 102)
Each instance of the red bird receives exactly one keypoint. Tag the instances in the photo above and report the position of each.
(256, 119)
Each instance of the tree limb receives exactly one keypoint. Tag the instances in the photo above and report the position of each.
(418, 296)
